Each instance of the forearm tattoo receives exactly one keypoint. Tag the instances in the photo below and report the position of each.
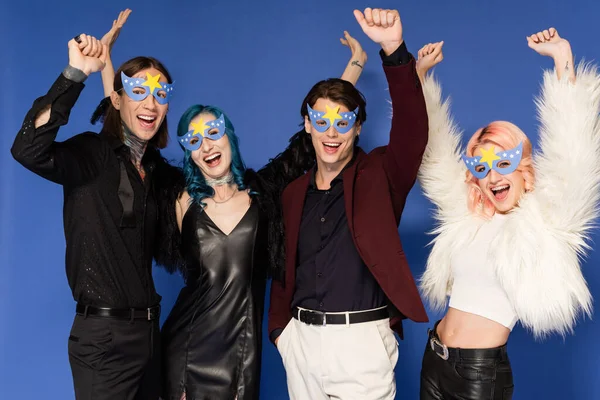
(354, 62)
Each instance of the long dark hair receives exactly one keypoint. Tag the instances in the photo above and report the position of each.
(110, 116)
(287, 166)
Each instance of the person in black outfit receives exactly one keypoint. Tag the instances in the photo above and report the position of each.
(212, 337)
(110, 181)
(225, 236)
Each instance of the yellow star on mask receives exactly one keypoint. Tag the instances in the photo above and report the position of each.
(199, 127)
(488, 156)
(331, 114)
(152, 82)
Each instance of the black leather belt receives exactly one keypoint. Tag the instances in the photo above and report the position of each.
(312, 317)
(451, 353)
(149, 314)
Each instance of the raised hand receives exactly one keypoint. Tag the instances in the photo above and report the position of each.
(549, 43)
(355, 47)
(381, 26)
(429, 56)
(87, 54)
(111, 36)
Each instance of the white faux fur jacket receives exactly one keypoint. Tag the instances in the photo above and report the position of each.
(537, 255)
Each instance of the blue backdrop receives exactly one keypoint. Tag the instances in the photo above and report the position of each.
(257, 60)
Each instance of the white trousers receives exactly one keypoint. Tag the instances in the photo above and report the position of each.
(339, 361)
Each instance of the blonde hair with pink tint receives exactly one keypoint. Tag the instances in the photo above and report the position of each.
(508, 136)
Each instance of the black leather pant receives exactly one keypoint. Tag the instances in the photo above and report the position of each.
(467, 374)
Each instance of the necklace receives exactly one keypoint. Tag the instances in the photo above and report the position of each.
(224, 201)
(224, 180)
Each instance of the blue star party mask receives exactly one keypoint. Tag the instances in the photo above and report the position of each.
(503, 162)
(212, 130)
(342, 122)
(139, 88)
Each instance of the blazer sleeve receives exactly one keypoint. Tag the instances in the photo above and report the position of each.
(408, 134)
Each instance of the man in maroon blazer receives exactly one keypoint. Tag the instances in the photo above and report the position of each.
(347, 279)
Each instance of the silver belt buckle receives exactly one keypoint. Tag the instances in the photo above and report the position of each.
(433, 342)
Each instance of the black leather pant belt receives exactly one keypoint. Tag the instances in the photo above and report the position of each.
(312, 317)
(148, 314)
(450, 353)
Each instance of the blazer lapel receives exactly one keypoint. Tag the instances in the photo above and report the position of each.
(348, 177)
(295, 216)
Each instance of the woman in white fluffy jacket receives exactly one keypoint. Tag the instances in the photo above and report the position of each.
(511, 227)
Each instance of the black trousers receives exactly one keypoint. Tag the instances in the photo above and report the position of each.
(467, 374)
(115, 359)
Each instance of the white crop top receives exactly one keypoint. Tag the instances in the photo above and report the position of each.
(475, 289)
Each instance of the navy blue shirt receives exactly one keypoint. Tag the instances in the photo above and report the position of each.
(330, 274)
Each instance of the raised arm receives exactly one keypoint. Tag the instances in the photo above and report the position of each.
(357, 60)
(541, 272)
(109, 39)
(76, 159)
(568, 165)
(442, 174)
(408, 135)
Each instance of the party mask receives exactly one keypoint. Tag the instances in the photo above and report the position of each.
(212, 130)
(342, 122)
(139, 88)
(503, 162)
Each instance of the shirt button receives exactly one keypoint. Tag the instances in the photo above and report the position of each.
(321, 304)
(319, 274)
(327, 192)
(322, 219)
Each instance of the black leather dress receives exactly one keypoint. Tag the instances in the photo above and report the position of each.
(212, 337)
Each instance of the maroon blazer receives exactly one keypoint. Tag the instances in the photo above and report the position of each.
(375, 189)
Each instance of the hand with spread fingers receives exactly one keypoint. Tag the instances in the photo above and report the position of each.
(111, 36)
(358, 53)
(358, 59)
(109, 39)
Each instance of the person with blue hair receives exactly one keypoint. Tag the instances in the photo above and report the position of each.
(220, 226)
(212, 337)
(230, 231)
(230, 224)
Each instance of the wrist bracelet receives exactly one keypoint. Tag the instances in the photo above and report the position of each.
(74, 74)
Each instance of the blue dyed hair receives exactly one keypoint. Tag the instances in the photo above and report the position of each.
(197, 187)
